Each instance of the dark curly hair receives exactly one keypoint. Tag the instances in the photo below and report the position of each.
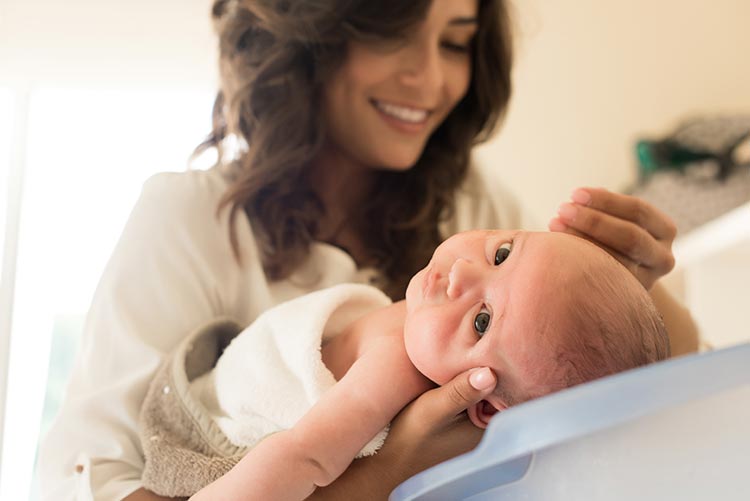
(275, 59)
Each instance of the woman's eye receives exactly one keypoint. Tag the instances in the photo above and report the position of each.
(481, 322)
(502, 253)
(455, 47)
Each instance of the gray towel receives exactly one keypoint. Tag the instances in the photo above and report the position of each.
(182, 446)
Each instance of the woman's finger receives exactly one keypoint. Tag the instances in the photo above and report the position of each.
(433, 428)
(623, 236)
(629, 208)
(454, 397)
(646, 276)
(559, 226)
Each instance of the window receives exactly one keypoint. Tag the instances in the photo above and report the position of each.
(7, 204)
(88, 153)
(6, 118)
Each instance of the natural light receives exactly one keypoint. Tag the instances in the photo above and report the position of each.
(6, 117)
(88, 153)
(6, 120)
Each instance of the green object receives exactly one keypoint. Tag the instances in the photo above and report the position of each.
(665, 155)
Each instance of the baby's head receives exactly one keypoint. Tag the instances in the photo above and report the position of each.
(545, 311)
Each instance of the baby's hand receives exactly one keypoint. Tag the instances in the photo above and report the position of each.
(636, 233)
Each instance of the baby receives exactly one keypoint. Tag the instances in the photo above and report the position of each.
(314, 382)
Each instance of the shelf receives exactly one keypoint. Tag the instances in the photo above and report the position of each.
(726, 231)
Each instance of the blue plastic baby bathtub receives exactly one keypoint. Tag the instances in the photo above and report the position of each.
(679, 429)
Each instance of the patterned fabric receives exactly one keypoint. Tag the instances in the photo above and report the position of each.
(696, 196)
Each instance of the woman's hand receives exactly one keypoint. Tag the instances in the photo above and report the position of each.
(432, 429)
(639, 236)
(636, 233)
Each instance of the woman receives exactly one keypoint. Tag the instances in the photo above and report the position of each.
(355, 121)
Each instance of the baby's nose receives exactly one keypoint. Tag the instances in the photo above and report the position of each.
(462, 277)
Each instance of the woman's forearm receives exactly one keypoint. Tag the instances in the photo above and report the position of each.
(363, 480)
(682, 330)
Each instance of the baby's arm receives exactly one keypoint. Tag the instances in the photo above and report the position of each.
(290, 464)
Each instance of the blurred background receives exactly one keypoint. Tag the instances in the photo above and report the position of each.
(97, 95)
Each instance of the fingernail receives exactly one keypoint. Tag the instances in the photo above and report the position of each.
(482, 379)
(556, 225)
(580, 196)
(568, 212)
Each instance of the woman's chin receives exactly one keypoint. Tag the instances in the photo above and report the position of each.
(400, 159)
(397, 165)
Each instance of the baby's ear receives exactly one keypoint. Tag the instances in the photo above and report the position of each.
(481, 412)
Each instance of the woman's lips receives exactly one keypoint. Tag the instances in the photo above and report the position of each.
(404, 119)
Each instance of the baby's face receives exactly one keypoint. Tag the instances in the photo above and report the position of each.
(484, 299)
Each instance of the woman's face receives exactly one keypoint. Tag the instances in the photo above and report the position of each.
(387, 98)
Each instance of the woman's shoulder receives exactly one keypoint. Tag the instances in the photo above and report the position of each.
(176, 215)
(183, 202)
(187, 190)
(175, 245)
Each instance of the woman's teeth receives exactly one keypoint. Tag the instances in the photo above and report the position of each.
(411, 115)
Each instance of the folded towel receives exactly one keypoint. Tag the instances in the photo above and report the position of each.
(272, 373)
(224, 389)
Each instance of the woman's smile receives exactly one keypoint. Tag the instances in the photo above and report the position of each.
(407, 119)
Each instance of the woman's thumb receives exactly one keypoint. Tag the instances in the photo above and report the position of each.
(482, 379)
(465, 390)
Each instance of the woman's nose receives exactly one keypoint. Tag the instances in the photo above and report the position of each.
(462, 278)
(421, 67)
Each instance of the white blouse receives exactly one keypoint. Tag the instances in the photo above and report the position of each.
(171, 271)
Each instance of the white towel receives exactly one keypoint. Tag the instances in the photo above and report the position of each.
(272, 373)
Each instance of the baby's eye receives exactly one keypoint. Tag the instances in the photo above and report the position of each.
(502, 253)
(482, 322)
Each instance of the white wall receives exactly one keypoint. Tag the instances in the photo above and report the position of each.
(720, 292)
(592, 76)
(107, 41)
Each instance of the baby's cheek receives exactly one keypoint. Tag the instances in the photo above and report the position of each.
(422, 343)
(443, 353)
